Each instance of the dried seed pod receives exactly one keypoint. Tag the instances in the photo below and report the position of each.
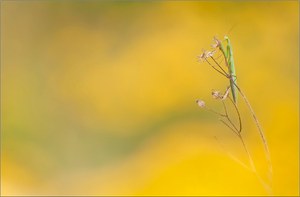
(216, 94)
(200, 103)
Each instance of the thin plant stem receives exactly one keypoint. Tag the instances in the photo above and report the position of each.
(248, 153)
(266, 186)
(215, 68)
(253, 168)
(229, 127)
(261, 132)
(214, 112)
(238, 113)
(232, 156)
(218, 65)
(227, 117)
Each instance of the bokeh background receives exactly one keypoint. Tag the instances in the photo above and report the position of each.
(98, 97)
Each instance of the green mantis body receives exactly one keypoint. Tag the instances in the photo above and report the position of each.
(231, 69)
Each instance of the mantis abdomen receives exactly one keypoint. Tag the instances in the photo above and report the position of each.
(231, 70)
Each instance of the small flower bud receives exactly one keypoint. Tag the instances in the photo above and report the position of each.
(210, 54)
(216, 94)
(200, 103)
(216, 43)
(202, 56)
(206, 54)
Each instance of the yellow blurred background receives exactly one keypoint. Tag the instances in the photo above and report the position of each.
(98, 97)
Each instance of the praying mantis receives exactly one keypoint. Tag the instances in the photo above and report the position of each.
(227, 53)
(231, 68)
